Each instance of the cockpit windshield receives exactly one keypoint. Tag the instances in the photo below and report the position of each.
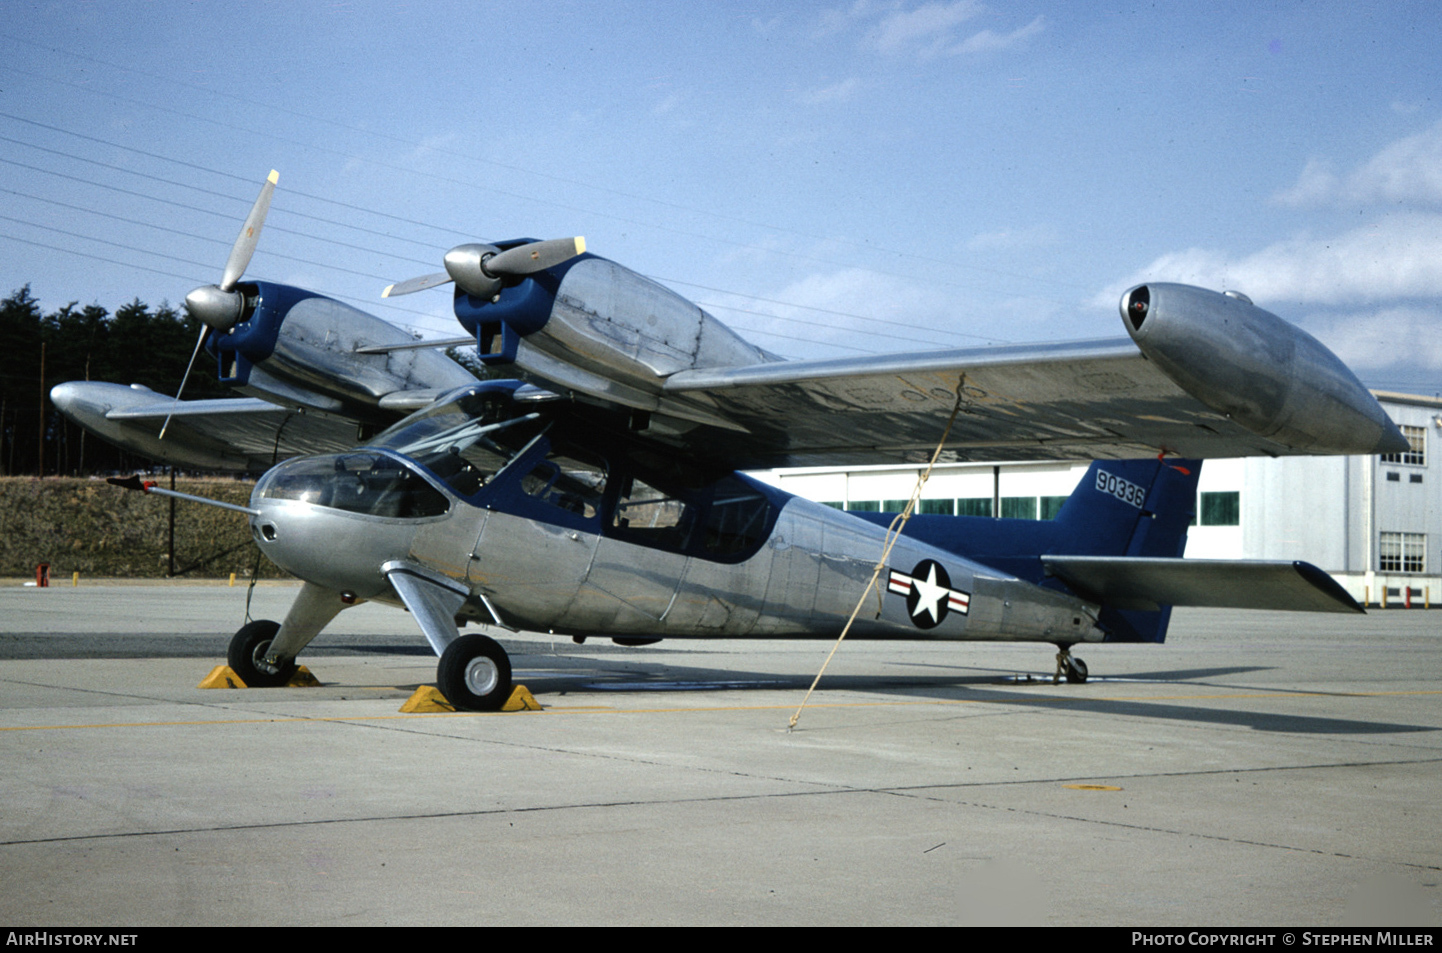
(372, 484)
(467, 441)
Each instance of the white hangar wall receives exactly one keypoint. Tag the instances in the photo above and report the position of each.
(1373, 522)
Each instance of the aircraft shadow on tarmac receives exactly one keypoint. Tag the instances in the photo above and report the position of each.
(551, 670)
(602, 675)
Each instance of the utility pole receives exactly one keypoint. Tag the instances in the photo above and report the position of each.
(171, 573)
(40, 448)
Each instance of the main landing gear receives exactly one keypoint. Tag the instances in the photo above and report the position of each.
(475, 674)
(1074, 669)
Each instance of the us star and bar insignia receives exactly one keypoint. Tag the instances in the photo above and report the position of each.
(928, 592)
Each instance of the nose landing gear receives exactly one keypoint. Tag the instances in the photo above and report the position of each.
(246, 656)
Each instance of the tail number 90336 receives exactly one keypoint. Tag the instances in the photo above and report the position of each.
(1124, 490)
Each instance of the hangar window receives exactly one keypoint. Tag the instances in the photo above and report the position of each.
(1416, 453)
(1221, 509)
(1051, 506)
(1018, 507)
(1402, 552)
(937, 507)
(974, 506)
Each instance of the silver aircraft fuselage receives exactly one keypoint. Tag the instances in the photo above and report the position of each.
(804, 582)
(524, 548)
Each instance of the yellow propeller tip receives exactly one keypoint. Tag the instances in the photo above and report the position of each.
(273, 178)
(580, 245)
(387, 292)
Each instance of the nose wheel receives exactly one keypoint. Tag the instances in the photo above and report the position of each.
(246, 656)
(475, 674)
(1073, 669)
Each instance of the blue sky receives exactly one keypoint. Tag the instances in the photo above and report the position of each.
(832, 179)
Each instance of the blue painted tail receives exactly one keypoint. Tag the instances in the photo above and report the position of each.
(1120, 508)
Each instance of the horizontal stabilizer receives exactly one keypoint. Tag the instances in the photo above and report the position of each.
(1149, 584)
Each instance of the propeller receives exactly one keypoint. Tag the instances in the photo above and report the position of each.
(479, 270)
(221, 306)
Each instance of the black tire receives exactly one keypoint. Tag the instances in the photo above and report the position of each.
(475, 674)
(248, 647)
(1076, 671)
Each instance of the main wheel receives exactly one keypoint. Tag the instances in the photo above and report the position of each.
(474, 673)
(247, 653)
(1076, 671)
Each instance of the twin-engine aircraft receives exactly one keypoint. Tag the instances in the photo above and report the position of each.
(598, 492)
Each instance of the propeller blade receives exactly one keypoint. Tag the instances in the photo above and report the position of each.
(199, 341)
(245, 242)
(536, 256)
(415, 284)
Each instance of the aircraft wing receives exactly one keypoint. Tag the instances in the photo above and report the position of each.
(1147, 584)
(227, 434)
(1078, 400)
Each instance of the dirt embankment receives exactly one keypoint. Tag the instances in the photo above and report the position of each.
(90, 527)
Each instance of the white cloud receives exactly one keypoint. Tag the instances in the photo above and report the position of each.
(1383, 338)
(835, 93)
(854, 309)
(1406, 172)
(988, 40)
(1316, 186)
(836, 21)
(669, 103)
(1012, 239)
(1398, 256)
(926, 30)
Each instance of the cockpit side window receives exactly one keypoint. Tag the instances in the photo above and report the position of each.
(722, 518)
(739, 519)
(653, 517)
(570, 479)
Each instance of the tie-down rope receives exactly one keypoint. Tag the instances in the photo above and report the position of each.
(893, 533)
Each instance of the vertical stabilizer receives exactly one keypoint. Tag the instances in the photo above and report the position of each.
(1130, 508)
(1120, 508)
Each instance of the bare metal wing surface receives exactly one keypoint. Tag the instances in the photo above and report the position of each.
(1201, 374)
(240, 434)
(1087, 399)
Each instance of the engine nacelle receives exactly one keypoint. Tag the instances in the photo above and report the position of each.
(597, 327)
(296, 347)
(1267, 375)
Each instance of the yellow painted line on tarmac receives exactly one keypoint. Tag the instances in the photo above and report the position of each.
(788, 706)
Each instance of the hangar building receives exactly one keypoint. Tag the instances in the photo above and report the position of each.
(1375, 523)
